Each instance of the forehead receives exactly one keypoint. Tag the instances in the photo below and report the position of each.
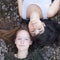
(23, 33)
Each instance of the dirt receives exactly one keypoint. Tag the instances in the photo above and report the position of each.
(9, 19)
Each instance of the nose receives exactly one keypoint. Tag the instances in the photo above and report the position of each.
(22, 42)
(36, 32)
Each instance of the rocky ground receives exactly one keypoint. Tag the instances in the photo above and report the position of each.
(9, 19)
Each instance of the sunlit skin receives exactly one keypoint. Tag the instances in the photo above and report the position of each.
(22, 42)
(36, 27)
(34, 12)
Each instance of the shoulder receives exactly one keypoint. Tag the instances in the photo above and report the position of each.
(36, 55)
(9, 56)
(36, 52)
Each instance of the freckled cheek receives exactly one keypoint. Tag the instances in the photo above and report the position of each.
(27, 42)
(31, 28)
(22, 42)
(18, 43)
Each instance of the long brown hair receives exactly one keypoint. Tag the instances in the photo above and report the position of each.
(23, 26)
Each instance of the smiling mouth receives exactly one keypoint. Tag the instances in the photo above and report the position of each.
(21, 45)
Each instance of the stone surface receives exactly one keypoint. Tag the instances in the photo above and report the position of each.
(3, 49)
(51, 52)
(9, 19)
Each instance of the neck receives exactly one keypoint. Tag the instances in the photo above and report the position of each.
(22, 54)
(34, 16)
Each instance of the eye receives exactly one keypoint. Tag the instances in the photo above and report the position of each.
(39, 29)
(32, 31)
(26, 39)
(19, 38)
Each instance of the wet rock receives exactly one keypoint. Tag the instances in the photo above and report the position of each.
(51, 52)
(9, 19)
(3, 49)
(9, 14)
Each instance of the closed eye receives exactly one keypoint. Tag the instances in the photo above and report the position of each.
(19, 38)
(39, 29)
(26, 39)
(32, 31)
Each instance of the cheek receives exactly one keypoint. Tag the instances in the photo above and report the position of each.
(27, 43)
(31, 28)
(17, 42)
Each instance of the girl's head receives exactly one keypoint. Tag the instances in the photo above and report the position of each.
(36, 27)
(23, 39)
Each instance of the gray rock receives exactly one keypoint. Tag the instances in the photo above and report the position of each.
(51, 52)
(3, 49)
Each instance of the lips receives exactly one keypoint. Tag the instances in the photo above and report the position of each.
(21, 45)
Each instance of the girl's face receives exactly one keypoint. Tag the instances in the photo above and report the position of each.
(36, 27)
(23, 40)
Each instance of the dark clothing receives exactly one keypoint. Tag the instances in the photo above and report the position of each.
(50, 31)
(52, 0)
(31, 56)
(49, 36)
